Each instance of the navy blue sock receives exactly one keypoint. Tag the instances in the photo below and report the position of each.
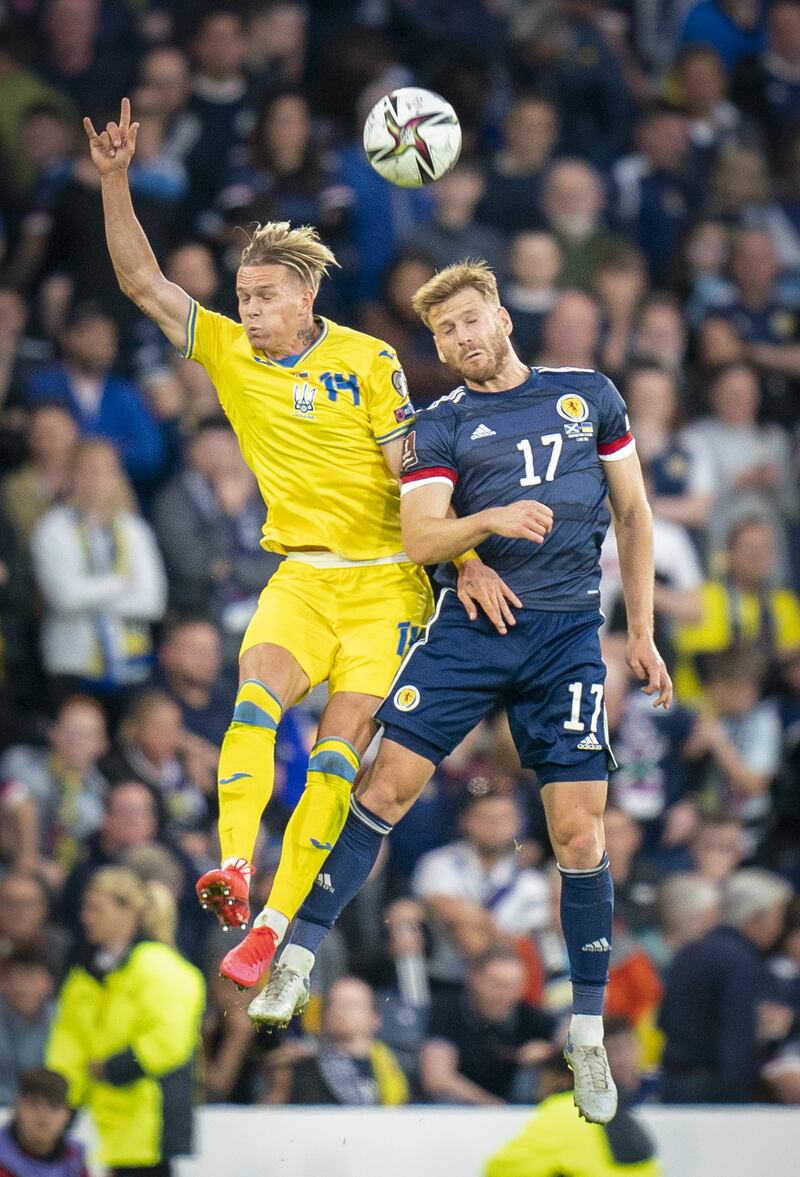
(346, 869)
(587, 909)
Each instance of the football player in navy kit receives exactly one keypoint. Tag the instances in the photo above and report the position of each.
(527, 457)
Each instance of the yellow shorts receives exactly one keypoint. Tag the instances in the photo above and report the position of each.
(349, 626)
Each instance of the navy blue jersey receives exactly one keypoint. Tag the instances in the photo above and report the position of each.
(547, 440)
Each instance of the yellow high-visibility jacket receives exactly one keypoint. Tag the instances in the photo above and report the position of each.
(556, 1142)
(142, 1020)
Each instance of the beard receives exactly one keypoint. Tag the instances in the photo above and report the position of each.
(484, 367)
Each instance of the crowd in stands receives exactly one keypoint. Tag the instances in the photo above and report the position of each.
(631, 168)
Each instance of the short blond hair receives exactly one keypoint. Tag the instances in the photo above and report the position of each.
(472, 273)
(277, 244)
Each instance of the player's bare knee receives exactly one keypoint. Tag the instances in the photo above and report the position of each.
(579, 847)
(388, 796)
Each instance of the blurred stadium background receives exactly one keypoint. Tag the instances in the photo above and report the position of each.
(631, 168)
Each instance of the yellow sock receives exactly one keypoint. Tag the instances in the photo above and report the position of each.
(247, 768)
(315, 824)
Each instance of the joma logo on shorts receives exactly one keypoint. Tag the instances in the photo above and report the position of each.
(407, 635)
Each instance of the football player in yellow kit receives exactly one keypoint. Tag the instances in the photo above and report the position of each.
(320, 412)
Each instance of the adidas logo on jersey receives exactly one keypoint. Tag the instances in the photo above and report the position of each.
(590, 743)
(482, 431)
(324, 881)
(601, 945)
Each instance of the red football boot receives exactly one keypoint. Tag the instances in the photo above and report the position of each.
(226, 893)
(249, 961)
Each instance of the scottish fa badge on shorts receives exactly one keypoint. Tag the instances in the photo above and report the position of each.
(406, 698)
(304, 395)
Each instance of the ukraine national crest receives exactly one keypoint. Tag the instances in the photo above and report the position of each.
(304, 395)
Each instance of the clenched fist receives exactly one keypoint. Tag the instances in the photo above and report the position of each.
(526, 519)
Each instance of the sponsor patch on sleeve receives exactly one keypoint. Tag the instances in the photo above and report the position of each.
(404, 412)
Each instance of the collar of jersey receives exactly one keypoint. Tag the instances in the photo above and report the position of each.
(266, 359)
(487, 397)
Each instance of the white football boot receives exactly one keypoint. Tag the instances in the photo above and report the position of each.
(595, 1092)
(284, 997)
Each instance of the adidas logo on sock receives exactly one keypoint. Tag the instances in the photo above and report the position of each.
(324, 881)
(482, 431)
(601, 945)
(590, 743)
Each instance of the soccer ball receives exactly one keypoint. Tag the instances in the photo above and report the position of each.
(412, 136)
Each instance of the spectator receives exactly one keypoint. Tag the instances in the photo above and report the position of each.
(555, 1143)
(735, 28)
(189, 662)
(635, 879)
(53, 796)
(661, 336)
(530, 295)
(656, 188)
(101, 403)
(767, 86)
(26, 925)
(221, 103)
(681, 484)
(72, 57)
(101, 576)
(483, 1043)
(561, 50)
(747, 603)
(653, 785)
(572, 204)
(453, 233)
(26, 1011)
(17, 354)
(718, 847)
(393, 318)
(764, 315)
(222, 571)
(713, 990)
(287, 174)
(39, 484)
(742, 737)
(688, 908)
(475, 889)
(165, 83)
(127, 1025)
(571, 332)
(514, 177)
(620, 282)
(407, 997)
(230, 1065)
(152, 748)
(130, 821)
(349, 1064)
(20, 90)
(277, 43)
(714, 121)
(750, 462)
(36, 1139)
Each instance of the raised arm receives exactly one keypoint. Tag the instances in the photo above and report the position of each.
(138, 273)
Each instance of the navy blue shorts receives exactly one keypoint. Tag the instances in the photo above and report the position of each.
(546, 671)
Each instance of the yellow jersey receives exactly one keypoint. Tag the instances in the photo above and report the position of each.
(311, 430)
